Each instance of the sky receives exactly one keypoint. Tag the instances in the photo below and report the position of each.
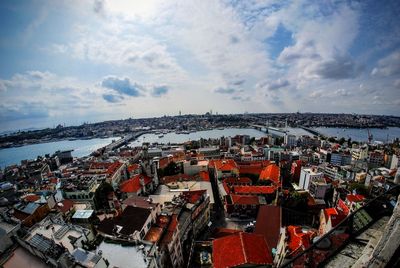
(79, 61)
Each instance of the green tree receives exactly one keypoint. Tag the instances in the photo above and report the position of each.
(171, 169)
(101, 194)
(360, 188)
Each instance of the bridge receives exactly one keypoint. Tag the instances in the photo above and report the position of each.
(261, 127)
(123, 141)
(312, 131)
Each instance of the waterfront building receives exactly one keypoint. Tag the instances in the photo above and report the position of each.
(289, 140)
(359, 153)
(376, 159)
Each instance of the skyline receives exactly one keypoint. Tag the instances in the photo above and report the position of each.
(77, 61)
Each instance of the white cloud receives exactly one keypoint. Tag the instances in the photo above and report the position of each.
(388, 66)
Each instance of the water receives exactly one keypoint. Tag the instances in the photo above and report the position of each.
(10, 156)
(81, 148)
(213, 134)
(382, 135)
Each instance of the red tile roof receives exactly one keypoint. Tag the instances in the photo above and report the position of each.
(225, 164)
(355, 198)
(335, 215)
(268, 224)
(271, 172)
(31, 198)
(65, 205)
(193, 196)
(241, 249)
(240, 180)
(100, 165)
(175, 178)
(113, 168)
(204, 175)
(133, 184)
(245, 199)
(254, 189)
(133, 167)
(298, 240)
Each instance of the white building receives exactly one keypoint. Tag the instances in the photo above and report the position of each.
(307, 175)
(290, 140)
(318, 188)
(359, 153)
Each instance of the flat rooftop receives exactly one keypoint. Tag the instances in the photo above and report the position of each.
(23, 258)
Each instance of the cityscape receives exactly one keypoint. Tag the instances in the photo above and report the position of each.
(204, 134)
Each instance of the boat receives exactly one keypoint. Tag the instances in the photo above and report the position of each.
(160, 136)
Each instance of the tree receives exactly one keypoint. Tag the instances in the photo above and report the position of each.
(342, 140)
(360, 188)
(101, 194)
(171, 169)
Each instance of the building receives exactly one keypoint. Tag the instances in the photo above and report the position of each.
(307, 175)
(241, 250)
(271, 174)
(289, 140)
(340, 158)
(245, 206)
(225, 168)
(209, 152)
(318, 187)
(295, 171)
(359, 153)
(292, 241)
(269, 223)
(64, 234)
(30, 213)
(376, 159)
(329, 218)
(88, 259)
(194, 167)
(137, 185)
(165, 234)
(132, 225)
(80, 188)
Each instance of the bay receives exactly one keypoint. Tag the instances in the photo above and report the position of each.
(173, 137)
(10, 156)
(382, 135)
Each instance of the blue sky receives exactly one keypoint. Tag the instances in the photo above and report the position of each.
(85, 61)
